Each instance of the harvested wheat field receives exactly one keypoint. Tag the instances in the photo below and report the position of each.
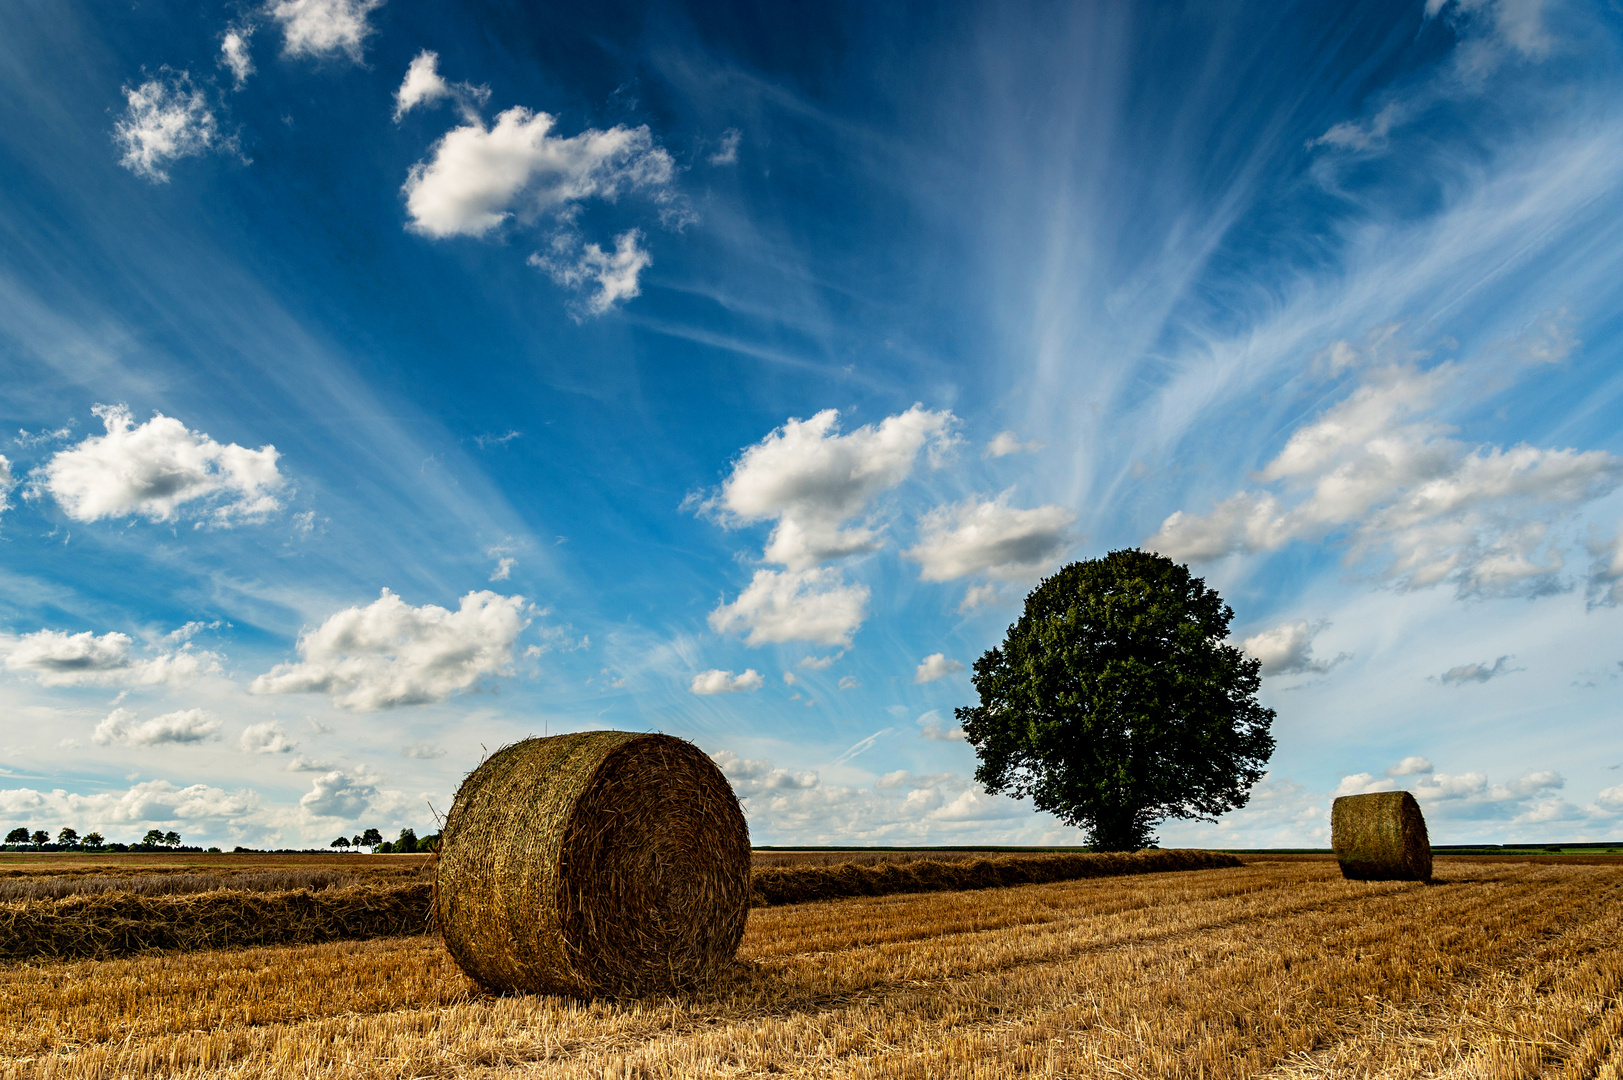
(1279, 969)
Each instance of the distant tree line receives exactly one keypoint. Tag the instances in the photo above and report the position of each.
(407, 843)
(24, 839)
(68, 839)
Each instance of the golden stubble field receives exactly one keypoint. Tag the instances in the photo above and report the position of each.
(1280, 969)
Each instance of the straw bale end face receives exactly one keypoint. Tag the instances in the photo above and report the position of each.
(1380, 837)
(603, 862)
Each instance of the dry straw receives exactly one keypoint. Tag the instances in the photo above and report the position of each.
(604, 862)
(801, 884)
(1380, 837)
(101, 925)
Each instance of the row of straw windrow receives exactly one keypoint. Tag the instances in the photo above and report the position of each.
(110, 924)
(799, 884)
(101, 925)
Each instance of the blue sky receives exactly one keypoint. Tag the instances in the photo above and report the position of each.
(385, 383)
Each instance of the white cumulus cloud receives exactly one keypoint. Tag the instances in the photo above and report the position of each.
(339, 794)
(57, 658)
(148, 802)
(726, 152)
(234, 54)
(389, 653)
(811, 479)
(1005, 443)
(424, 85)
(122, 728)
(932, 727)
(1413, 765)
(935, 666)
(1425, 506)
(266, 738)
(1288, 650)
(7, 483)
(477, 177)
(164, 119)
(1605, 571)
(755, 777)
(989, 536)
(716, 681)
(156, 468)
(611, 276)
(323, 28)
(815, 605)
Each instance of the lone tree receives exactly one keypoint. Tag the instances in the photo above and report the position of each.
(68, 837)
(1115, 703)
(17, 836)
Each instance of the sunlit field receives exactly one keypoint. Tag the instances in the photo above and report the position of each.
(1280, 968)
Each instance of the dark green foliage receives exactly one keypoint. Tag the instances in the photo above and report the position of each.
(370, 838)
(1114, 702)
(67, 837)
(153, 838)
(93, 840)
(405, 844)
(40, 838)
(17, 836)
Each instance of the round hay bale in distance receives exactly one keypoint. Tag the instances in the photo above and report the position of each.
(1380, 837)
(604, 862)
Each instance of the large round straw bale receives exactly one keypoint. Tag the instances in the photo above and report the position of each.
(605, 862)
(1380, 837)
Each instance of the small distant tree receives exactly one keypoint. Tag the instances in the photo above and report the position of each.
(406, 842)
(1116, 702)
(68, 837)
(40, 838)
(17, 836)
(371, 838)
(94, 840)
(153, 838)
(342, 843)
(171, 839)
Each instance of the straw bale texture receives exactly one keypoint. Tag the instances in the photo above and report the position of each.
(1380, 837)
(604, 862)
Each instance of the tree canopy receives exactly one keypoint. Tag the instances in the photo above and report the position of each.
(1116, 703)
